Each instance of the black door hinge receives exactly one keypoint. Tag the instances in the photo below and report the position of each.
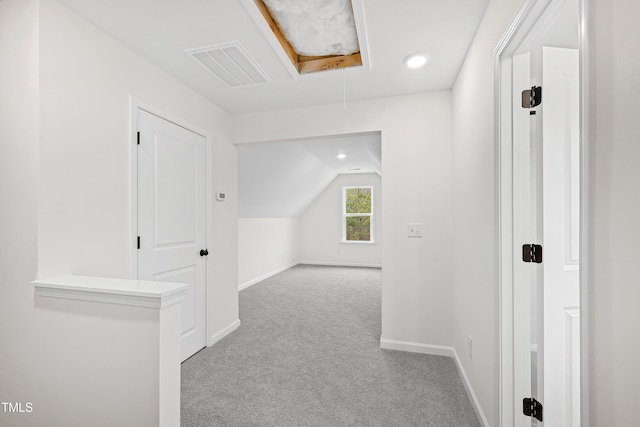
(532, 408)
(138, 242)
(532, 253)
(532, 97)
(138, 138)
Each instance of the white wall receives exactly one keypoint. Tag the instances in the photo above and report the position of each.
(321, 226)
(64, 162)
(615, 284)
(474, 182)
(20, 348)
(416, 162)
(265, 246)
(86, 78)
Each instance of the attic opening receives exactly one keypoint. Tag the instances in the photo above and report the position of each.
(313, 36)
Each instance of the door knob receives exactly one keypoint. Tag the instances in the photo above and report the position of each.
(204, 252)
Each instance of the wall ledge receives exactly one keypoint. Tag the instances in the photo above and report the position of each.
(141, 293)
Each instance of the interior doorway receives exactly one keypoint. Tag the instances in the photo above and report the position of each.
(290, 206)
(540, 182)
(171, 202)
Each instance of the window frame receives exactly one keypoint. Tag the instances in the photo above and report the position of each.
(346, 215)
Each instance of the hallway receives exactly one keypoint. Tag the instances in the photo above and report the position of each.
(307, 354)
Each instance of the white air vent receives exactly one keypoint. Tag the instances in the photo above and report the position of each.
(231, 63)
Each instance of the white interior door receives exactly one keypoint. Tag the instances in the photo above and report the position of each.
(561, 218)
(546, 212)
(172, 217)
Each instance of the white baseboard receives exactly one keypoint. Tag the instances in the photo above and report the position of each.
(438, 350)
(340, 264)
(470, 392)
(412, 347)
(223, 333)
(266, 276)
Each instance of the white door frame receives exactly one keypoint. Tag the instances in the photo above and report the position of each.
(527, 22)
(135, 105)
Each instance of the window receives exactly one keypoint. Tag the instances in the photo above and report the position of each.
(357, 214)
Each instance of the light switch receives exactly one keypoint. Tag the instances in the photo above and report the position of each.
(415, 230)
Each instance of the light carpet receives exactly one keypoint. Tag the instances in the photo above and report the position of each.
(308, 354)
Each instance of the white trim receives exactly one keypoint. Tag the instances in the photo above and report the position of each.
(345, 215)
(133, 187)
(414, 347)
(586, 215)
(140, 293)
(324, 263)
(439, 350)
(340, 264)
(265, 276)
(223, 333)
(470, 392)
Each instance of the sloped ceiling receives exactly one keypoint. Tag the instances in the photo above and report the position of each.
(281, 179)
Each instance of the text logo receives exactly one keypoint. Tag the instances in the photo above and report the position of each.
(17, 407)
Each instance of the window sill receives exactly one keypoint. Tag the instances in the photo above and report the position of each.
(359, 242)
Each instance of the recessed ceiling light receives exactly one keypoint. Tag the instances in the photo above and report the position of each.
(341, 156)
(415, 60)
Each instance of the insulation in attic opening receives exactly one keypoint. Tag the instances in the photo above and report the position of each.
(315, 35)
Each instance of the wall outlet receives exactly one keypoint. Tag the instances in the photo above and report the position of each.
(414, 230)
(470, 346)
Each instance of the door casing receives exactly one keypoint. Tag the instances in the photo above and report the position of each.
(525, 29)
(135, 105)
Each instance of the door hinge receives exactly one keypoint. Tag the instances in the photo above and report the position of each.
(138, 242)
(138, 138)
(532, 408)
(532, 97)
(532, 253)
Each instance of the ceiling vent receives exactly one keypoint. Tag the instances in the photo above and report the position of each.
(231, 63)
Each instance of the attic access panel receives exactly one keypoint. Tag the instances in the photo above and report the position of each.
(313, 36)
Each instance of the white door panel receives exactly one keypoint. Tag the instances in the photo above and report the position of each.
(172, 217)
(561, 186)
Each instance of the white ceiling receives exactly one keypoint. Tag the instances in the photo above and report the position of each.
(281, 179)
(161, 30)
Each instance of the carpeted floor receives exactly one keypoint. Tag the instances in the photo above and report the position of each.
(308, 354)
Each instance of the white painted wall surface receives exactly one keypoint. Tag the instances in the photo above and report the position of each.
(416, 162)
(20, 335)
(86, 78)
(321, 226)
(99, 364)
(265, 246)
(615, 286)
(474, 277)
(64, 153)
